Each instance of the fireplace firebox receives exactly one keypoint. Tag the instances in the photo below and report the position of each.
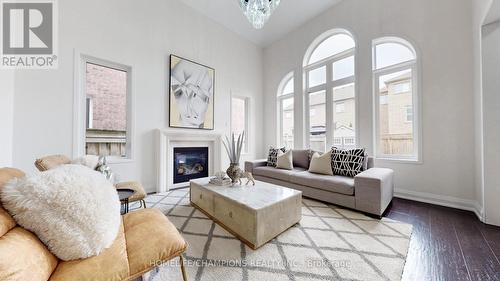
(190, 163)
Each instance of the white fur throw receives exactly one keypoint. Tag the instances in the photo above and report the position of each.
(74, 210)
(90, 161)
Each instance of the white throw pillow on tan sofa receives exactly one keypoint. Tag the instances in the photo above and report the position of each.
(285, 160)
(74, 210)
(321, 164)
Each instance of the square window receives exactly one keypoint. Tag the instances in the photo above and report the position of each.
(106, 97)
(287, 122)
(317, 121)
(317, 76)
(344, 116)
(343, 68)
(401, 88)
(239, 118)
(408, 112)
(395, 114)
(340, 107)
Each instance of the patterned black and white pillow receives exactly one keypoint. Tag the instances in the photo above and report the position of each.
(348, 162)
(272, 157)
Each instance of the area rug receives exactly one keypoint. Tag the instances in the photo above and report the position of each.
(329, 243)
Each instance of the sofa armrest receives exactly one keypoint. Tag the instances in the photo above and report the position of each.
(373, 190)
(250, 165)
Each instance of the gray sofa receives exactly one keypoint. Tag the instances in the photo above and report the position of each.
(371, 191)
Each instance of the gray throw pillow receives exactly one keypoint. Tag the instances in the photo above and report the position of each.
(301, 158)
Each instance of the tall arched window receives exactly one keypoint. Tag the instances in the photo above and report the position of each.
(396, 99)
(285, 111)
(330, 91)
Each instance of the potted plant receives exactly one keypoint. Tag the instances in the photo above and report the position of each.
(233, 148)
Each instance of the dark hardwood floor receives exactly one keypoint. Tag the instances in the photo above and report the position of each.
(447, 244)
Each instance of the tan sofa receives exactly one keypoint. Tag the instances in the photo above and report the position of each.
(371, 191)
(145, 240)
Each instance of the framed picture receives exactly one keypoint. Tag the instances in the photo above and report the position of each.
(191, 94)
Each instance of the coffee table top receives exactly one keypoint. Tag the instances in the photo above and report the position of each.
(255, 197)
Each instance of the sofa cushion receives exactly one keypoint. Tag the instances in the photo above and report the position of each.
(301, 158)
(151, 239)
(50, 162)
(338, 184)
(7, 174)
(6, 220)
(274, 173)
(22, 254)
(24, 257)
(131, 254)
(111, 264)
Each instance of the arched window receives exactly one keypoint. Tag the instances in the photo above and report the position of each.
(285, 111)
(330, 91)
(396, 99)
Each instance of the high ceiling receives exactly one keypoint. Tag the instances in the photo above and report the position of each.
(287, 17)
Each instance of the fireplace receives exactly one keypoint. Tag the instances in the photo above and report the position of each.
(168, 140)
(190, 163)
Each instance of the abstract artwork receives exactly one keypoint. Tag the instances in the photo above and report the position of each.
(191, 94)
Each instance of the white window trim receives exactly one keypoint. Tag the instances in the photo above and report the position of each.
(414, 65)
(279, 106)
(328, 88)
(247, 148)
(79, 107)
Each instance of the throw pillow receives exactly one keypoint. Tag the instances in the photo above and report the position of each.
(273, 156)
(349, 162)
(74, 210)
(321, 164)
(90, 161)
(285, 160)
(301, 158)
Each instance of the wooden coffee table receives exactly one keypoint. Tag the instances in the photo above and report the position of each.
(254, 214)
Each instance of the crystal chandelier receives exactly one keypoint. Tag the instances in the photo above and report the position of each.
(258, 11)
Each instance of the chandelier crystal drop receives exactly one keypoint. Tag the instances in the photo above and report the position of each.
(258, 11)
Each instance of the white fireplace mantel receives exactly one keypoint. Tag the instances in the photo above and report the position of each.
(167, 140)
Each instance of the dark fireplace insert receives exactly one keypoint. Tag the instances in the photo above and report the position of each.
(190, 163)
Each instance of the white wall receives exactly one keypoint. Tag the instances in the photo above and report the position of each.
(479, 10)
(142, 35)
(491, 119)
(441, 31)
(6, 116)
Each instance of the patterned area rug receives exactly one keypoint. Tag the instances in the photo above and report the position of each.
(330, 243)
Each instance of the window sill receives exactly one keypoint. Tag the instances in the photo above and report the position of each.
(400, 160)
(116, 160)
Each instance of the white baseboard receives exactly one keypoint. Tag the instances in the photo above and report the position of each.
(442, 200)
